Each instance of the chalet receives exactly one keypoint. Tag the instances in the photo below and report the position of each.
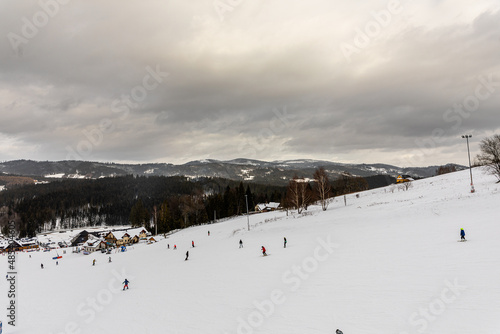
(29, 244)
(94, 245)
(82, 237)
(124, 239)
(19, 245)
(135, 239)
(13, 246)
(110, 238)
(143, 234)
(151, 240)
(266, 207)
(404, 178)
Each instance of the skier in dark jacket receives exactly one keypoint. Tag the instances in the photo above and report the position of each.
(187, 255)
(264, 251)
(241, 244)
(462, 234)
(126, 284)
(284, 242)
(338, 331)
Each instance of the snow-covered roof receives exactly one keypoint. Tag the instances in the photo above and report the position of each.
(135, 231)
(93, 243)
(273, 205)
(270, 205)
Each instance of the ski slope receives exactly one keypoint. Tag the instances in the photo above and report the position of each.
(388, 262)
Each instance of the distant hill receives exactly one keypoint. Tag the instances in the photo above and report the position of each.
(275, 172)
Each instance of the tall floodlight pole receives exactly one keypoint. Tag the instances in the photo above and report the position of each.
(248, 218)
(470, 166)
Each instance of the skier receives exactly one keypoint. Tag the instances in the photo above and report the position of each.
(109, 259)
(187, 255)
(284, 244)
(264, 251)
(41, 265)
(192, 243)
(241, 244)
(338, 331)
(208, 233)
(126, 284)
(93, 262)
(57, 263)
(462, 234)
(168, 246)
(175, 246)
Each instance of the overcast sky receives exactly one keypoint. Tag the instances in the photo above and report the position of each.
(393, 82)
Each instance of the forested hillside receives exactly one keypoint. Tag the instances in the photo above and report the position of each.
(171, 202)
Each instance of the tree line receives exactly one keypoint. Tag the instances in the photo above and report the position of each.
(156, 202)
(159, 203)
(302, 192)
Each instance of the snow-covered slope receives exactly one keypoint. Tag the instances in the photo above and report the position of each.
(388, 262)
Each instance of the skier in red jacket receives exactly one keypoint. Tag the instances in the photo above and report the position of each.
(264, 251)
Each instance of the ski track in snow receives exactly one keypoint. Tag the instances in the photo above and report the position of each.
(396, 253)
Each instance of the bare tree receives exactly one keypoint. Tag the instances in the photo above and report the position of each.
(405, 186)
(306, 193)
(322, 187)
(293, 194)
(298, 194)
(490, 155)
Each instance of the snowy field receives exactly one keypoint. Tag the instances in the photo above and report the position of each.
(388, 262)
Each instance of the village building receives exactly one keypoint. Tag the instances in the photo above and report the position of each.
(94, 245)
(110, 239)
(135, 239)
(266, 207)
(82, 237)
(123, 239)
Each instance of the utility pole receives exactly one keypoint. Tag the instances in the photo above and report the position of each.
(156, 222)
(248, 218)
(472, 190)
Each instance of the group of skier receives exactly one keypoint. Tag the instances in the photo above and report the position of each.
(240, 243)
(264, 248)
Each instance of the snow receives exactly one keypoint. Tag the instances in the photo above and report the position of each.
(55, 176)
(388, 262)
(77, 176)
(245, 174)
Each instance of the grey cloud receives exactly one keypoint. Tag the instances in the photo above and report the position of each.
(226, 78)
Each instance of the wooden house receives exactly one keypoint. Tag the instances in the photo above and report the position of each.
(143, 235)
(123, 240)
(135, 239)
(110, 239)
(266, 207)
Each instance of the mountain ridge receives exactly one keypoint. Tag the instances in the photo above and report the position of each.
(276, 172)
